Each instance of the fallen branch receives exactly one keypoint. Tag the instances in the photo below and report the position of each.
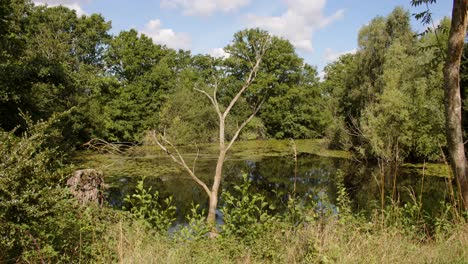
(102, 146)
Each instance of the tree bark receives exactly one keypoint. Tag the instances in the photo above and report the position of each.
(211, 219)
(453, 105)
(213, 204)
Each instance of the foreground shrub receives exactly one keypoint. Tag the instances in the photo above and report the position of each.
(245, 213)
(38, 220)
(144, 204)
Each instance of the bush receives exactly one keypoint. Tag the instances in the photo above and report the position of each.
(245, 214)
(144, 204)
(196, 228)
(38, 221)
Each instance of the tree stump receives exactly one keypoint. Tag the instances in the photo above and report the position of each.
(87, 186)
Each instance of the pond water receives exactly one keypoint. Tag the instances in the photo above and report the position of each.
(271, 168)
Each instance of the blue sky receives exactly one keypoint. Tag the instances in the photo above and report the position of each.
(320, 30)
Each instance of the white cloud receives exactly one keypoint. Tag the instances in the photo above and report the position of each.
(204, 7)
(166, 36)
(219, 53)
(331, 55)
(72, 4)
(301, 19)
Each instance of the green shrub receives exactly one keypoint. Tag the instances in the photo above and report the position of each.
(38, 220)
(144, 204)
(246, 213)
(196, 228)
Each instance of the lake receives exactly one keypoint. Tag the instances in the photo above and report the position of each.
(271, 168)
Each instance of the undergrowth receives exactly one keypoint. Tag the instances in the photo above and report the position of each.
(41, 223)
(321, 233)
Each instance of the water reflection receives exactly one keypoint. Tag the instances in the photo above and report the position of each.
(316, 180)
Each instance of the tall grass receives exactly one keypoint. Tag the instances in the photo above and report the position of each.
(395, 234)
(336, 241)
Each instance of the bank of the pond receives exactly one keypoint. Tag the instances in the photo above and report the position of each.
(391, 236)
(272, 170)
(419, 225)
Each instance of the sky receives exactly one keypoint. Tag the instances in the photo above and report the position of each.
(320, 30)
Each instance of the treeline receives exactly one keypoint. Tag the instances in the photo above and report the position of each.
(385, 101)
(120, 86)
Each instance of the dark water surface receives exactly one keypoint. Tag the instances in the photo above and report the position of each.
(272, 171)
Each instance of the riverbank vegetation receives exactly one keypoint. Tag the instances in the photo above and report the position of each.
(43, 224)
(65, 81)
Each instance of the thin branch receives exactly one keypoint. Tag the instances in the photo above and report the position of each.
(248, 82)
(215, 92)
(109, 147)
(233, 139)
(195, 160)
(250, 79)
(207, 95)
(179, 160)
(213, 99)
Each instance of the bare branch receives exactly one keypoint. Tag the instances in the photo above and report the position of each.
(101, 145)
(195, 160)
(178, 159)
(248, 82)
(233, 139)
(251, 77)
(215, 92)
(213, 99)
(207, 95)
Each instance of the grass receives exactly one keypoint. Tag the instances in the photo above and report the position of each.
(330, 241)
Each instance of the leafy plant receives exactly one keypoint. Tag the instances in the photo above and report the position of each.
(246, 213)
(38, 220)
(144, 204)
(196, 228)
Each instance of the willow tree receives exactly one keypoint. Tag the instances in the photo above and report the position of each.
(241, 70)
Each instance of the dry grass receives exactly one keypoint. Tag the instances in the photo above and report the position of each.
(334, 242)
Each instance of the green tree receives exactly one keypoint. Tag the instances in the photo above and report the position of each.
(146, 73)
(14, 18)
(385, 97)
(299, 111)
(341, 95)
(186, 116)
(57, 65)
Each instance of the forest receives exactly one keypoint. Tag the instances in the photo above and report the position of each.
(66, 83)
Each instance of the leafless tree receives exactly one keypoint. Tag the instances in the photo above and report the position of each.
(224, 144)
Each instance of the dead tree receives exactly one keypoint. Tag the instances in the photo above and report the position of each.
(224, 145)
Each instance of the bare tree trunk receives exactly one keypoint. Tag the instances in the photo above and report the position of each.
(453, 106)
(211, 219)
